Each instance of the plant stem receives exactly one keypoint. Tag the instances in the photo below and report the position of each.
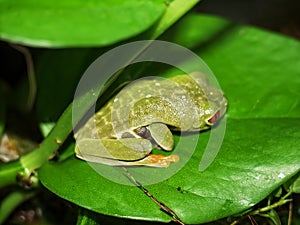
(9, 172)
(36, 158)
(51, 144)
(30, 74)
(11, 202)
(269, 207)
(175, 10)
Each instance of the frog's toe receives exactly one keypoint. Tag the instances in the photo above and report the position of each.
(161, 160)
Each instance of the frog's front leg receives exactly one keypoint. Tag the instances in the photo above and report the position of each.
(159, 134)
(121, 152)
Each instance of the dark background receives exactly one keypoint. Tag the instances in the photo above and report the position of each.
(281, 16)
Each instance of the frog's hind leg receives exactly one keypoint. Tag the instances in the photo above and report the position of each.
(96, 150)
(122, 152)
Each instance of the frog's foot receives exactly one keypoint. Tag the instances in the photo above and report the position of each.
(159, 160)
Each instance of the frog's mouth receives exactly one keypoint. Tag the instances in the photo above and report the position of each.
(215, 118)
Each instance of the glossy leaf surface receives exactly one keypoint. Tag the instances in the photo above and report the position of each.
(76, 23)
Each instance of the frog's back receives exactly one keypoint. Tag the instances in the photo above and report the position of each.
(177, 102)
(174, 102)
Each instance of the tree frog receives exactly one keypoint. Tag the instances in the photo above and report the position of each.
(124, 131)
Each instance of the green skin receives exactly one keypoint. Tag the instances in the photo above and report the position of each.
(123, 132)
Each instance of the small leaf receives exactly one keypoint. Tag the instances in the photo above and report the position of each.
(85, 218)
(295, 187)
(273, 217)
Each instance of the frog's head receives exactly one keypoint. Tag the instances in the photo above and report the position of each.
(213, 106)
(216, 110)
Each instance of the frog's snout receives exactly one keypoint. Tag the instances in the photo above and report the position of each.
(214, 118)
(219, 113)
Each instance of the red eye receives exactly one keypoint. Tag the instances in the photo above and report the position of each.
(215, 117)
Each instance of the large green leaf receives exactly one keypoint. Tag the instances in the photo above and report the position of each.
(259, 72)
(76, 22)
(58, 73)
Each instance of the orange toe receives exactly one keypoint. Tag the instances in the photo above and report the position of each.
(163, 159)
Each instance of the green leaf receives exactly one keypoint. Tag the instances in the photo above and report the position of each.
(234, 182)
(273, 217)
(76, 22)
(295, 187)
(259, 73)
(87, 217)
(58, 73)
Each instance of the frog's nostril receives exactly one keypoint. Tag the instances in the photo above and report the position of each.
(215, 117)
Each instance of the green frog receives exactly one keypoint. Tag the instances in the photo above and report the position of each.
(125, 130)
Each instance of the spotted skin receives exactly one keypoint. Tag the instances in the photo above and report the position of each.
(183, 102)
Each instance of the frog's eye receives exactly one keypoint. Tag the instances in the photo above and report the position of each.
(214, 118)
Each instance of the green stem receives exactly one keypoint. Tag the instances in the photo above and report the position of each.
(9, 172)
(269, 207)
(175, 10)
(39, 156)
(30, 73)
(14, 199)
(51, 144)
